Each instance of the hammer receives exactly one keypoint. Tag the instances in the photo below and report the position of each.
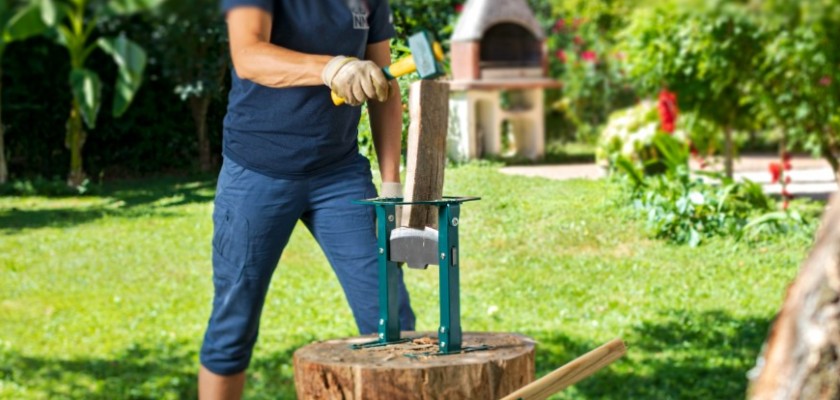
(426, 58)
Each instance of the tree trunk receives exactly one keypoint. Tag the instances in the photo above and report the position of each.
(728, 152)
(4, 169)
(75, 141)
(801, 358)
(332, 370)
(199, 107)
(829, 153)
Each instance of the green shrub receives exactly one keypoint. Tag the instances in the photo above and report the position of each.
(686, 209)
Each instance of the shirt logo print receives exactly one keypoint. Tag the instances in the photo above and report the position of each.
(360, 11)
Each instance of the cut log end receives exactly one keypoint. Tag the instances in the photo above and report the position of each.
(332, 370)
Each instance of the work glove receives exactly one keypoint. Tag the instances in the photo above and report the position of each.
(391, 190)
(355, 80)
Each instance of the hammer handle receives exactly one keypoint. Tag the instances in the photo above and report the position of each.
(403, 66)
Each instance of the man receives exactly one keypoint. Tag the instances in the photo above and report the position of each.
(289, 155)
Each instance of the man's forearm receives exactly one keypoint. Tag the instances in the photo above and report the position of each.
(386, 127)
(278, 67)
(257, 60)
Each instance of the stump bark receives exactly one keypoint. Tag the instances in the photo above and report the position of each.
(801, 359)
(332, 370)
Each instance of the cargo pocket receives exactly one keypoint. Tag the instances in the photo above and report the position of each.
(230, 243)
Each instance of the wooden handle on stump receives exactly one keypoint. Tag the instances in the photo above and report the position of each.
(571, 373)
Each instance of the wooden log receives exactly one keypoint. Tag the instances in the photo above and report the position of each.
(801, 358)
(571, 373)
(426, 155)
(332, 370)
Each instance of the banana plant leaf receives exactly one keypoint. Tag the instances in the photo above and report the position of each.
(131, 60)
(25, 23)
(87, 91)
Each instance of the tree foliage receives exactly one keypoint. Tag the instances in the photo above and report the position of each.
(797, 88)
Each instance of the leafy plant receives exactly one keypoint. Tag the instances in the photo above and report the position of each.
(192, 42)
(19, 20)
(76, 32)
(687, 209)
(630, 134)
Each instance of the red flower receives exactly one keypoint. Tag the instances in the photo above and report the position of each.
(459, 8)
(786, 156)
(787, 179)
(785, 204)
(668, 110)
(825, 81)
(589, 56)
(578, 41)
(786, 161)
(560, 25)
(561, 56)
(775, 172)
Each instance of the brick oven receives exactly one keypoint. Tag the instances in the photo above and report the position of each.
(499, 72)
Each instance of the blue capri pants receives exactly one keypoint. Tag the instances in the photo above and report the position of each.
(253, 219)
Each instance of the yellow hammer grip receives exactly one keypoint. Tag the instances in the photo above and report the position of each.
(337, 100)
(403, 66)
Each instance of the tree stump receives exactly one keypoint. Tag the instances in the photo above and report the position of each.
(333, 370)
(801, 358)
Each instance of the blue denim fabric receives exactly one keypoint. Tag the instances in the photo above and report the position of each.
(253, 219)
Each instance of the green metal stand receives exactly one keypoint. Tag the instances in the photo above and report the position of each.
(449, 333)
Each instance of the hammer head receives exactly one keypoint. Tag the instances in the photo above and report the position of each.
(427, 55)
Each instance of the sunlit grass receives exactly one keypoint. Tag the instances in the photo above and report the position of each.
(107, 296)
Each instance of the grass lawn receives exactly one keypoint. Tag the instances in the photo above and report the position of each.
(107, 296)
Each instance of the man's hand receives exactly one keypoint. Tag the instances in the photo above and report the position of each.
(355, 80)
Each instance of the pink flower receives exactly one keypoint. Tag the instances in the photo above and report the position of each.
(561, 56)
(825, 81)
(589, 56)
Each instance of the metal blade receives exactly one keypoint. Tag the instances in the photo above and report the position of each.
(415, 247)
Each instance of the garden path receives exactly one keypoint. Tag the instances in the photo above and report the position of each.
(809, 177)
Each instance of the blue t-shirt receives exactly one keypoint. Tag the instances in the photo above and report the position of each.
(293, 133)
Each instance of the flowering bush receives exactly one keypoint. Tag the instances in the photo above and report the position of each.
(629, 134)
(581, 56)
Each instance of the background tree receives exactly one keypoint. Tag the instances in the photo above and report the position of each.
(705, 55)
(18, 21)
(798, 85)
(76, 32)
(192, 42)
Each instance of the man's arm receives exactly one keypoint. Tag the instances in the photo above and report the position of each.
(386, 119)
(257, 60)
